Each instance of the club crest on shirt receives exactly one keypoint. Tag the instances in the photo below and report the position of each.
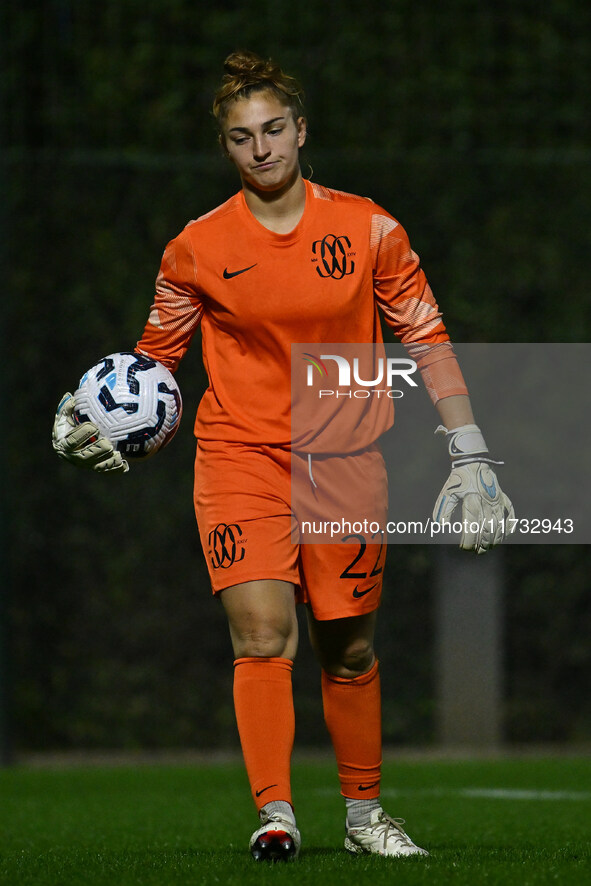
(333, 256)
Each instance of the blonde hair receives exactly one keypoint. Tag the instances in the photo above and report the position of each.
(246, 72)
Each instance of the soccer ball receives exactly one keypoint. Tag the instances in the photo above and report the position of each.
(133, 400)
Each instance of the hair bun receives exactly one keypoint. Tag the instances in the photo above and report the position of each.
(247, 64)
(245, 72)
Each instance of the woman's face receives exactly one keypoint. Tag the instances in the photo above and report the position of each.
(263, 140)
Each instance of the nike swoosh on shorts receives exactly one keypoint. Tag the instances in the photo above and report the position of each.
(358, 594)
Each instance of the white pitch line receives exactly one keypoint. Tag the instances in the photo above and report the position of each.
(496, 793)
(479, 793)
(520, 794)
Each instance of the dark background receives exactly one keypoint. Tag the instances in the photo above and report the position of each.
(470, 123)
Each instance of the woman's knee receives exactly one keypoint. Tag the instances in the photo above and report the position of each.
(262, 619)
(352, 660)
(344, 647)
(263, 641)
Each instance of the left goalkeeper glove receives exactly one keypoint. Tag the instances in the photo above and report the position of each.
(473, 485)
(83, 445)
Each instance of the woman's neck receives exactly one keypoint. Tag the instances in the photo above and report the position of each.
(279, 211)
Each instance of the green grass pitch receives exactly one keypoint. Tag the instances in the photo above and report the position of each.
(505, 821)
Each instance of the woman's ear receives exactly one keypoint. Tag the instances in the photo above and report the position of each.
(302, 128)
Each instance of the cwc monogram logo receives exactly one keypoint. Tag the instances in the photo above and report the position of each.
(223, 545)
(332, 257)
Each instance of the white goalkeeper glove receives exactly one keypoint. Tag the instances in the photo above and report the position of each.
(83, 444)
(473, 484)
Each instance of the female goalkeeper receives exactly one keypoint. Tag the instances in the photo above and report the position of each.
(286, 261)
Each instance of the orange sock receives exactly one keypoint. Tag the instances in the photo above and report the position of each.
(263, 701)
(353, 714)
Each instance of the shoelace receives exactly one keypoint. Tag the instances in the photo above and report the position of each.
(392, 827)
(275, 818)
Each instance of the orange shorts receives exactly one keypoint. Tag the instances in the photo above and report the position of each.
(250, 528)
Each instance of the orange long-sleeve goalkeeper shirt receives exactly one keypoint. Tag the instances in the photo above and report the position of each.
(256, 292)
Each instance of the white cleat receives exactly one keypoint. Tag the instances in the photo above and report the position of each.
(383, 836)
(278, 839)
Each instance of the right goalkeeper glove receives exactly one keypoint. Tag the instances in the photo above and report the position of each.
(487, 513)
(83, 444)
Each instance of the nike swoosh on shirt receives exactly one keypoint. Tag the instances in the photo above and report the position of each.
(229, 274)
(358, 594)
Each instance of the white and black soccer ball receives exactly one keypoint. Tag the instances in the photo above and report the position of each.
(133, 400)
